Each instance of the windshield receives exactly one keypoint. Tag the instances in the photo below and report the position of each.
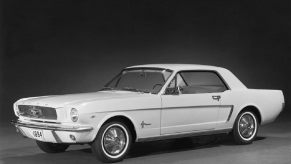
(139, 80)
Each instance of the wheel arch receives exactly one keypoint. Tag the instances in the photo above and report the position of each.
(253, 109)
(123, 118)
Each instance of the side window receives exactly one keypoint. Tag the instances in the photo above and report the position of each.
(201, 82)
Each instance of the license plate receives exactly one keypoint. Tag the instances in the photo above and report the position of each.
(37, 134)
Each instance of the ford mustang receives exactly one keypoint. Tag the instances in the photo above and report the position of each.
(148, 102)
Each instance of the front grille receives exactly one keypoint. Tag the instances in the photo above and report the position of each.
(39, 112)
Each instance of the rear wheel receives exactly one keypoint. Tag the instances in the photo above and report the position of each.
(245, 128)
(112, 142)
(51, 147)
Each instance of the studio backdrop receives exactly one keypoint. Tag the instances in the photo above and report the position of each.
(62, 47)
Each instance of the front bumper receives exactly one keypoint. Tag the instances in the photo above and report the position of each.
(55, 133)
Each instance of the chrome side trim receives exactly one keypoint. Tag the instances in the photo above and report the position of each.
(52, 127)
(182, 135)
(161, 108)
(201, 106)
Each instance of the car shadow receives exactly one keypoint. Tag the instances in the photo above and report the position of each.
(138, 150)
(181, 144)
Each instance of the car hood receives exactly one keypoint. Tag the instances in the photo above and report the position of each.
(58, 101)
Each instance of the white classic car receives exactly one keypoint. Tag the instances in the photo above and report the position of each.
(148, 102)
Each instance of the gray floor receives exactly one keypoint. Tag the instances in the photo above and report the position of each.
(273, 145)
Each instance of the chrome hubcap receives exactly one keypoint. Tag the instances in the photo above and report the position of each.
(114, 140)
(247, 126)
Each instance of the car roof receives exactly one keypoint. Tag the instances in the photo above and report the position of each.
(232, 81)
(177, 67)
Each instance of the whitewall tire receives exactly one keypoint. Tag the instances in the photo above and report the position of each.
(112, 142)
(245, 128)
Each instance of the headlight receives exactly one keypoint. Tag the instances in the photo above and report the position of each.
(74, 115)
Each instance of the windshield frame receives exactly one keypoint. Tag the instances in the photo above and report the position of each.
(141, 68)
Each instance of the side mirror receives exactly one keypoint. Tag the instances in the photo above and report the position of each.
(172, 91)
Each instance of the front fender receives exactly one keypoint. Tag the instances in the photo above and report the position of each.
(107, 116)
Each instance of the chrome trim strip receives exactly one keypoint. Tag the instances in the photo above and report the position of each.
(42, 121)
(178, 107)
(182, 135)
(55, 128)
(130, 110)
(199, 106)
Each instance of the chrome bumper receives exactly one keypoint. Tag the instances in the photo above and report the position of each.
(52, 127)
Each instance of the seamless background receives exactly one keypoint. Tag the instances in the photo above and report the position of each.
(61, 47)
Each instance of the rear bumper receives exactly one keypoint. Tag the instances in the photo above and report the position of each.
(55, 133)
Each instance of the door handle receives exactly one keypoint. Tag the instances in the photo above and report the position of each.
(216, 98)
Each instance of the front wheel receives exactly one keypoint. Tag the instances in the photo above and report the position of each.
(51, 147)
(112, 142)
(245, 128)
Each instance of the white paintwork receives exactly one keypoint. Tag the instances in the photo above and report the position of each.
(162, 112)
(200, 113)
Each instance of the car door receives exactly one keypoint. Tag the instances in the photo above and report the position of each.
(191, 102)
